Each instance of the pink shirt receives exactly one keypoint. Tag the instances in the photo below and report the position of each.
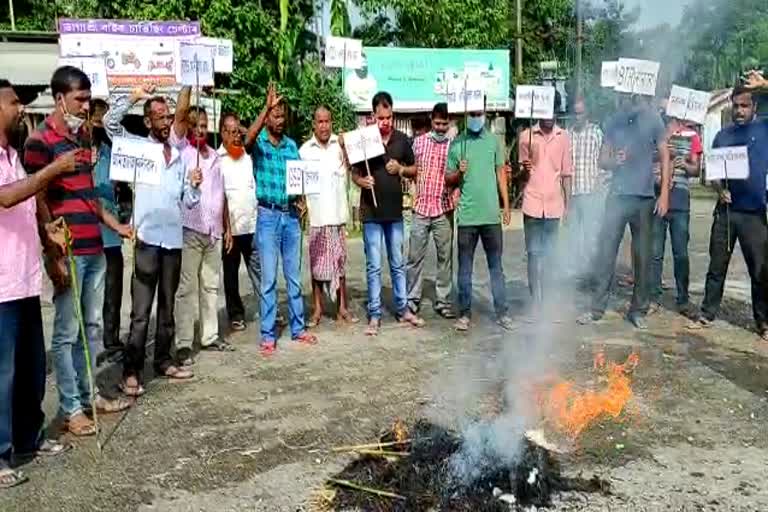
(20, 274)
(207, 216)
(543, 195)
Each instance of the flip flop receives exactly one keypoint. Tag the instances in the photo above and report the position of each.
(373, 328)
(81, 427)
(11, 478)
(106, 406)
(48, 448)
(313, 322)
(176, 374)
(348, 318)
(132, 391)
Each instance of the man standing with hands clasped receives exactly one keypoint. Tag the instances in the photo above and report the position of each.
(476, 167)
(277, 227)
(158, 219)
(740, 211)
(383, 221)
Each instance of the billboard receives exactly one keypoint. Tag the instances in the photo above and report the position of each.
(417, 78)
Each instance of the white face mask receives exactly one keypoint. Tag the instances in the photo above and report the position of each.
(74, 123)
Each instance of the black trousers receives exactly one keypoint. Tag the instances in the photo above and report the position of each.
(156, 269)
(619, 211)
(113, 297)
(750, 229)
(242, 249)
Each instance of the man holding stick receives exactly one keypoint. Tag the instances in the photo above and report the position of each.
(433, 214)
(476, 166)
(328, 213)
(740, 212)
(206, 225)
(381, 210)
(83, 265)
(22, 346)
(628, 150)
(159, 235)
(278, 231)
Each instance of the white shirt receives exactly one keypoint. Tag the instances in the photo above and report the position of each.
(328, 208)
(240, 189)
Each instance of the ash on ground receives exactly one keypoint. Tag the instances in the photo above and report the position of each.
(426, 481)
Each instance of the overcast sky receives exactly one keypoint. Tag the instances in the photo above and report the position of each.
(656, 12)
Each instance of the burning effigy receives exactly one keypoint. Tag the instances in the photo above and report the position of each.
(429, 467)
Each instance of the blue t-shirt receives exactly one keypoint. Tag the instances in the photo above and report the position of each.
(748, 195)
(637, 134)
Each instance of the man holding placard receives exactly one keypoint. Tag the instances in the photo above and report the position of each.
(159, 234)
(74, 198)
(381, 210)
(433, 209)
(476, 166)
(628, 151)
(206, 229)
(740, 212)
(278, 232)
(545, 155)
(685, 149)
(328, 213)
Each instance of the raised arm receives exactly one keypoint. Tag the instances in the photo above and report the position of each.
(273, 99)
(182, 109)
(119, 106)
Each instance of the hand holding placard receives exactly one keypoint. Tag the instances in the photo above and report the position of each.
(465, 95)
(302, 177)
(730, 163)
(136, 160)
(688, 104)
(534, 102)
(362, 144)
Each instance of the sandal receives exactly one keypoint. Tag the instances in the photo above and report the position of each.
(267, 348)
(238, 325)
(219, 346)
(306, 338)
(462, 324)
(107, 406)
(185, 357)
(446, 312)
(314, 321)
(79, 425)
(134, 389)
(413, 320)
(47, 448)
(347, 317)
(174, 373)
(373, 327)
(10, 478)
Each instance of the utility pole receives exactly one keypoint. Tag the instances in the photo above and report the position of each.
(579, 41)
(13, 18)
(519, 44)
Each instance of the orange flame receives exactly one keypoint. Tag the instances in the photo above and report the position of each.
(572, 410)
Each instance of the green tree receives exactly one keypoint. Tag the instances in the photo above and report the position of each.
(340, 25)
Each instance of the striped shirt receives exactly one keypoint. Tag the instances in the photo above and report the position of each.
(71, 196)
(432, 196)
(207, 216)
(585, 156)
(269, 168)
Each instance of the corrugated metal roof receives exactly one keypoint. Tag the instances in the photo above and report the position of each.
(28, 63)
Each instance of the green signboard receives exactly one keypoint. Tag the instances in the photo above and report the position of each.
(417, 77)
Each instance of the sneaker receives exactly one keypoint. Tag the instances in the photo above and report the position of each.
(638, 321)
(506, 323)
(462, 324)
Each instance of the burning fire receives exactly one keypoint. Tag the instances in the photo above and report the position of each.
(572, 410)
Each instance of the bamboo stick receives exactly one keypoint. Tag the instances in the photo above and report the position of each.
(368, 446)
(370, 490)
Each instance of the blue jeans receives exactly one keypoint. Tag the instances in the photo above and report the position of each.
(66, 345)
(677, 222)
(492, 239)
(22, 376)
(391, 233)
(540, 238)
(279, 235)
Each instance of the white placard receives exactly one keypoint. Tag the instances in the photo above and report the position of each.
(195, 65)
(138, 159)
(731, 163)
(688, 104)
(534, 102)
(608, 74)
(312, 177)
(95, 68)
(363, 144)
(465, 95)
(223, 53)
(637, 76)
(337, 47)
(294, 177)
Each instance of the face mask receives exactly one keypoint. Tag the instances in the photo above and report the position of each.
(196, 141)
(74, 123)
(235, 151)
(475, 124)
(438, 137)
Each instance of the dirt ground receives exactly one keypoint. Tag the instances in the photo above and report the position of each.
(251, 434)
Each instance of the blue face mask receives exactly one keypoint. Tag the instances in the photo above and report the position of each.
(438, 137)
(475, 124)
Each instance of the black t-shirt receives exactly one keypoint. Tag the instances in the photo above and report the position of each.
(388, 188)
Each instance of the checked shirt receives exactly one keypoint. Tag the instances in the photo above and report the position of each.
(585, 155)
(269, 168)
(432, 196)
